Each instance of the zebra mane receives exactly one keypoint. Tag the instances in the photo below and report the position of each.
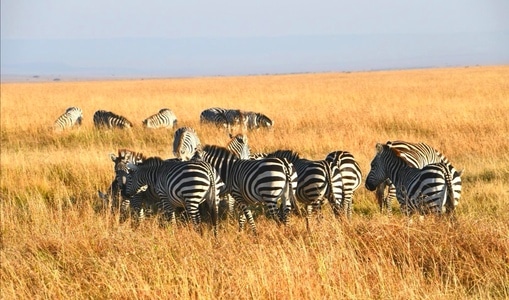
(127, 154)
(217, 149)
(288, 154)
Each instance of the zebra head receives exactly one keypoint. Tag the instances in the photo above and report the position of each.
(378, 171)
(238, 145)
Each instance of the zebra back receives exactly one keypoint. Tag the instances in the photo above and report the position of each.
(108, 119)
(214, 115)
(185, 143)
(165, 118)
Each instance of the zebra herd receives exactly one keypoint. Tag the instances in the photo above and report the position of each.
(421, 178)
(165, 118)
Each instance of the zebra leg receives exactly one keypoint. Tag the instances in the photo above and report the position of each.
(309, 211)
(247, 214)
(194, 213)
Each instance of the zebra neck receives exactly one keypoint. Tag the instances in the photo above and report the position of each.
(399, 170)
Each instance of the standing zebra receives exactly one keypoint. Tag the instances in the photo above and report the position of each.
(185, 143)
(71, 117)
(316, 181)
(425, 190)
(165, 118)
(416, 155)
(351, 177)
(112, 197)
(107, 119)
(253, 182)
(177, 183)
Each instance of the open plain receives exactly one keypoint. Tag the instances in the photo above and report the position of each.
(57, 241)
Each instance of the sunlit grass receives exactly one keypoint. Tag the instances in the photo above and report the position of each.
(57, 242)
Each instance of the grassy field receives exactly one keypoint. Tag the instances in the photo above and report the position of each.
(56, 242)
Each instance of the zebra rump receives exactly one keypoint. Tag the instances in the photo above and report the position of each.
(71, 117)
(165, 118)
(108, 119)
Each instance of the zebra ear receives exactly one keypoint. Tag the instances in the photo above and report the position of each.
(379, 147)
(113, 157)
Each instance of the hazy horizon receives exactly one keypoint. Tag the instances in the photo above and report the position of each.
(99, 39)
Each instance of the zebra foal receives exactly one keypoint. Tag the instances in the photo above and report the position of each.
(72, 116)
(426, 190)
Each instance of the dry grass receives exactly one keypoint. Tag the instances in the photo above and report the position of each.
(57, 243)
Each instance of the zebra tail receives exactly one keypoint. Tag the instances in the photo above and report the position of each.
(449, 202)
(212, 202)
(289, 189)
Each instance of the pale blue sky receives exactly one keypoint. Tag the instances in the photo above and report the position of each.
(225, 21)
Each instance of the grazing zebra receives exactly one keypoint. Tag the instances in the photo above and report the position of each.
(316, 181)
(177, 183)
(351, 177)
(185, 143)
(165, 118)
(426, 190)
(253, 182)
(71, 117)
(107, 119)
(416, 155)
(112, 197)
(214, 115)
(254, 120)
(222, 117)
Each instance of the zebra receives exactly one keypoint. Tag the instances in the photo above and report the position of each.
(254, 182)
(185, 143)
(113, 199)
(71, 117)
(316, 181)
(177, 183)
(254, 120)
(416, 155)
(221, 117)
(214, 115)
(239, 146)
(165, 118)
(107, 119)
(351, 177)
(426, 190)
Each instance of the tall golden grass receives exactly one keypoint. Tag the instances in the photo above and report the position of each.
(56, 242)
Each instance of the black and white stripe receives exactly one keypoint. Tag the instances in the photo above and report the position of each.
(72, 116)
(351, 177)
(238, 145)
(317, 181)
(108, 119)
(255, 120)
(253, 182)
(165, 118)
(185, 143)
(113, 199)
(416, 155)
(184, 184)
(426, 190)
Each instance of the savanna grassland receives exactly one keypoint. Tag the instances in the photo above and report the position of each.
(57, 241)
